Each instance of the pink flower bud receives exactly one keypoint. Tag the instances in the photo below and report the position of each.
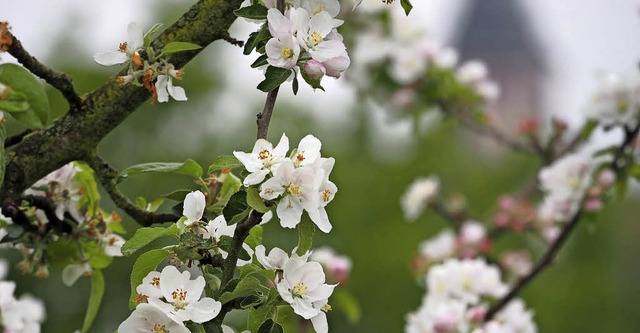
(502, 220)
(476, 314)
(593, 205)
(506, 202)
(528, 125)
(314, 69)
(445, 324)
(607, 178)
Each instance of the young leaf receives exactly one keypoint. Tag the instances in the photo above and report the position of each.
(97, 291)
(174, 47)
(91, 197)
(149, 35)
(14, 101)
(237, 204)
(247, 286)
(254, 12)
(270, 326)
(261, 61)
(406, 5)
(255, 237)
(257, 39)
(258, 316)
(224, 162)
(177, 195)
(295, 85)
(255, 201)
(146, 263)
(274, 77)
(314, 83)
(22, 81)
(188, 167)
(144, 236)
(347, 304)
(3, 136)
(306, 229)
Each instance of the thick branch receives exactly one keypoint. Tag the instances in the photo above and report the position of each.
(76, 134)
(239, 235)
(107, 177)
(58, 80)
(14, 140)
(264, 118)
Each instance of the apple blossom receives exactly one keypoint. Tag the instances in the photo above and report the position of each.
(193, 207)
(466, 280)
(71, 273)
(148, 318)
(438, 316)
(165, 88)
(419, 194)
(314, 7)
(262, 159)
(440, 247)
(62, 188)
(617, 101)
(217, 228)
(182, 297)
(128, 50)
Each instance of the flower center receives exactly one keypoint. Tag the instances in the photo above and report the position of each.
(316, 37)
(326, 195)
(122, 47)
(299, 289)
(179, 296)
(264, 154)
(287, 53)
(326, 308)
(157, 328)
(294, 189)
(155, 282)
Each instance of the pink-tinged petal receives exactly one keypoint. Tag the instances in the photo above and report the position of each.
(326, 50)
(299, 18)
(320, 324)
(304, 308)
(176, 92)
(193, 206)
(321, 23)
(135, 38)
(110, 58)
(255, 178)
(289, 212)
(337, 65)
(278, 23)
(161, 88)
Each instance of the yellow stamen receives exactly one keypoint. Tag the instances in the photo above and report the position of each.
(299, 289)
(264, 154)
(287, 53)
(316, 37)
(294, 189)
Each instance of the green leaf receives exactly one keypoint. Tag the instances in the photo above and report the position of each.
(257, 39)
(406, 5)
(274, 77)
(144, 236)
(188, 167)
(255, 237)
(13, 101)
(255, 201)
(306, 229)
(347, 304)
(177, 195)
(3, 136)
(62, 252)
(224, 162)
(90, 196)
(261, 61)
(146, 263)
(258, 316)
(254, 12)
(149, 35)
(295, 85)
(247, 286)
(230, 186)
(237, 205)
(175, 47)
(97, 291)
(240, 217)
(22, 81)
(270, 326)
(588, 128)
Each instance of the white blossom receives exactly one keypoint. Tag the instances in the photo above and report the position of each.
(148, 318)
(263, 159)
(440, 247)
(617, 100)
(62, 188)
(193, 207)
(466, 280)
(128, 50)
(71, 273)
(217, 228)
(418, 195)
(165, 88)
(438, 316)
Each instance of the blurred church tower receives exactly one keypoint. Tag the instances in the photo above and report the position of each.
(498, 32)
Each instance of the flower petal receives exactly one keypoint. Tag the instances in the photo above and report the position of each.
(110, 58)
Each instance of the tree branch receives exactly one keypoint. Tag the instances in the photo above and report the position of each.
(264, 118)
(76, 134)
(239, 235)
(14, 140)
(107, 177)
(58, 80)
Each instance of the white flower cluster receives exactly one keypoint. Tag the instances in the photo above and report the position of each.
(617, 101)
(468, 243)
(564, 183)
(306, 36)
(163, 73)
(454, 302)
(300, 283)
(418, 196)
(167, 300)
(300, 182)
(22, 315)
(66, 193)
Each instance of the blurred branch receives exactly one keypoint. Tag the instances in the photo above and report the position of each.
(77, 134)
(494, 134)
(107, 177)
(14, 140)
(58, 80)
(456, 219)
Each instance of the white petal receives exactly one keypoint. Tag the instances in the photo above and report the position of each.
(250, 162)
(303, 308)
(271, 189)
(283, 146)
(205, 310)
(289, 212)
(110, 58)
(72, 273)
(161, 88)
(321, 219)
(319, 323)
(134, 37)
(176, 92)
(193, 206)
(255, 178)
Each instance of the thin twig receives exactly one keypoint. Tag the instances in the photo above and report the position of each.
(456, 219)
(264, 118)
(494, 134)
(58, 80)
(107, 177)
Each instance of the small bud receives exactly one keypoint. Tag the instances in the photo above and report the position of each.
(476, 314)
(24, 266)
(593, 205)
(314, 69)
(607, 178)
(528, 126)
(42, 272)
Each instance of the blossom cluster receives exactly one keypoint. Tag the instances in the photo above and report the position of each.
(617, 100)
(299, 182)
(74, 200)
(306, 35)
(418, 196)
(301, 283)
(155, 76)
(455, 301)
(22, 315)
(169, 299)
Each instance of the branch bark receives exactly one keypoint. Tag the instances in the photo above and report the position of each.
(76, 134)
